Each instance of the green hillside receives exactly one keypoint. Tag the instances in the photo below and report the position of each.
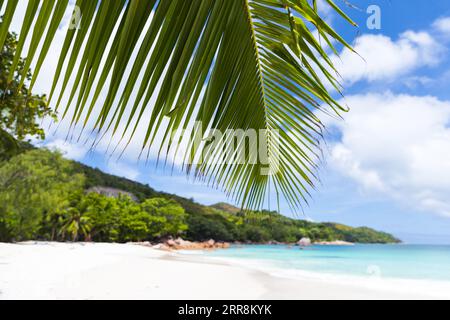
(64, 183)
(225, 222)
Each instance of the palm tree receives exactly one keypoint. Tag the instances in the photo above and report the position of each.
(75, 224)
(224, 64)
(54, 220)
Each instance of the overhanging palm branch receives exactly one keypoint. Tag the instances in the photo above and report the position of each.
(229, 64)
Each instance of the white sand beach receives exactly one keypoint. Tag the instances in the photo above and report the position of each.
(114, 271)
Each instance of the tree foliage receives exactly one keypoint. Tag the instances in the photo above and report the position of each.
(21, 111)
(42, 196)
(34, 185)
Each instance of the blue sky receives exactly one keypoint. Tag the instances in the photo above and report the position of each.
(388, 163)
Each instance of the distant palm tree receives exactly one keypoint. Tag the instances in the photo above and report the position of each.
(75, 224)
(55, 221)
(229, 64)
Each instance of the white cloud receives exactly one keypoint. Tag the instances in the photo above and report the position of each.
(397, 146)
(413, 82)
(443, 25)
(70, 150)
(123, 169)
(343, 159)
(383, 59)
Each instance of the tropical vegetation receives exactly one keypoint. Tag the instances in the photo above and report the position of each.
(46, 197)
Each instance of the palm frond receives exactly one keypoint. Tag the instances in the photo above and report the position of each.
(240, 64)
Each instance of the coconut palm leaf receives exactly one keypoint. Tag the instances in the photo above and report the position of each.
(224, 64)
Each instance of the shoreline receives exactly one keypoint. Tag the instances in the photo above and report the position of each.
(84, 271)
(179, 244)
(352, 286)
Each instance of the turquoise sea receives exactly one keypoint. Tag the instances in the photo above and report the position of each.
(418, 262)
